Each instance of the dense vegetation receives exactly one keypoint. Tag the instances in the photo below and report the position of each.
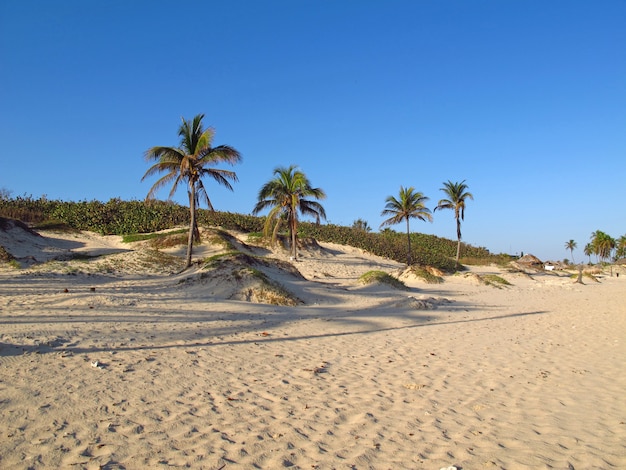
(130, 217)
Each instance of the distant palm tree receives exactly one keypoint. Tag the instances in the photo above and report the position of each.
(5, 194)
(189, 163)
(287, 195)
(360, 224)
(410, 205)
(620, 249)
(570, 245)
(588, 250)
(457, 194)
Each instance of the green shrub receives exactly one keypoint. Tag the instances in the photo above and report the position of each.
(117, 217)
(372, 277)
(15, 264)
(487, 259)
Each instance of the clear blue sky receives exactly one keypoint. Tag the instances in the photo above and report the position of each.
(523, 99)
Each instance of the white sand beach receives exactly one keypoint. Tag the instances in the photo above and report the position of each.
(111, 363)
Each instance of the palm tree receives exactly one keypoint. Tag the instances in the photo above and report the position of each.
(620, 251)
(570, 245)
(588, 250)
(189, 163)
(287, 195)
(602, 244)
(409, 205)
(5, 194)
(360, 224)
(457, 194)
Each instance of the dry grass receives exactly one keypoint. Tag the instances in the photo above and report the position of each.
(429, 276)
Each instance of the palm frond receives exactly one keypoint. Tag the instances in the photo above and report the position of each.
(312, 208)
(410, 204)
(164, 181)
(220, 154)
(160, 152)
(202, 195)
(264, 204)
(221, 176)
(286, 194)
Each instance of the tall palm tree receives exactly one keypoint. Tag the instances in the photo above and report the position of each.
(457, 194)
(570, 245)
(287, 195)
(410, 205)
(189, 163)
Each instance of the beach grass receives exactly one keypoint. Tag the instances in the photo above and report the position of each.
(372, 277)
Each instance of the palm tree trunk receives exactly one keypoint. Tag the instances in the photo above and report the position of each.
(458, 244)
(408, 237)
(196, 230)
(192, 224)
(293, 228)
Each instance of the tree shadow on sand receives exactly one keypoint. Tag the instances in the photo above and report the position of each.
(254, 325)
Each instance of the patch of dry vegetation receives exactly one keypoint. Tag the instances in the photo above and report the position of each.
(168, 241)
(266, 290)
(591, 275)
(501, 260)
(5, 256)
(495, 280)
(238, 276)
(492, 280)
(428, 275)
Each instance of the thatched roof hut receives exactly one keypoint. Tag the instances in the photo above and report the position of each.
(530, 261)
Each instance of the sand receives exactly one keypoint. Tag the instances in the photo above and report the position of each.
(112, 363)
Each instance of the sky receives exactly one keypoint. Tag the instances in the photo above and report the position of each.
(524, 100)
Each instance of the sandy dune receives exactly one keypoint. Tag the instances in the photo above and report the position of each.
(120, 362)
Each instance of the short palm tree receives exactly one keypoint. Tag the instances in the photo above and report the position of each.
(190, 163)
(362, 225)
(409, 205)
(570, 245)
(287, 194)
(457, 194)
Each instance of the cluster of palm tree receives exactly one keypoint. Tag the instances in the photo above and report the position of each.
(605, 247)
(361, 224)
(287, 194)
(411, 204)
